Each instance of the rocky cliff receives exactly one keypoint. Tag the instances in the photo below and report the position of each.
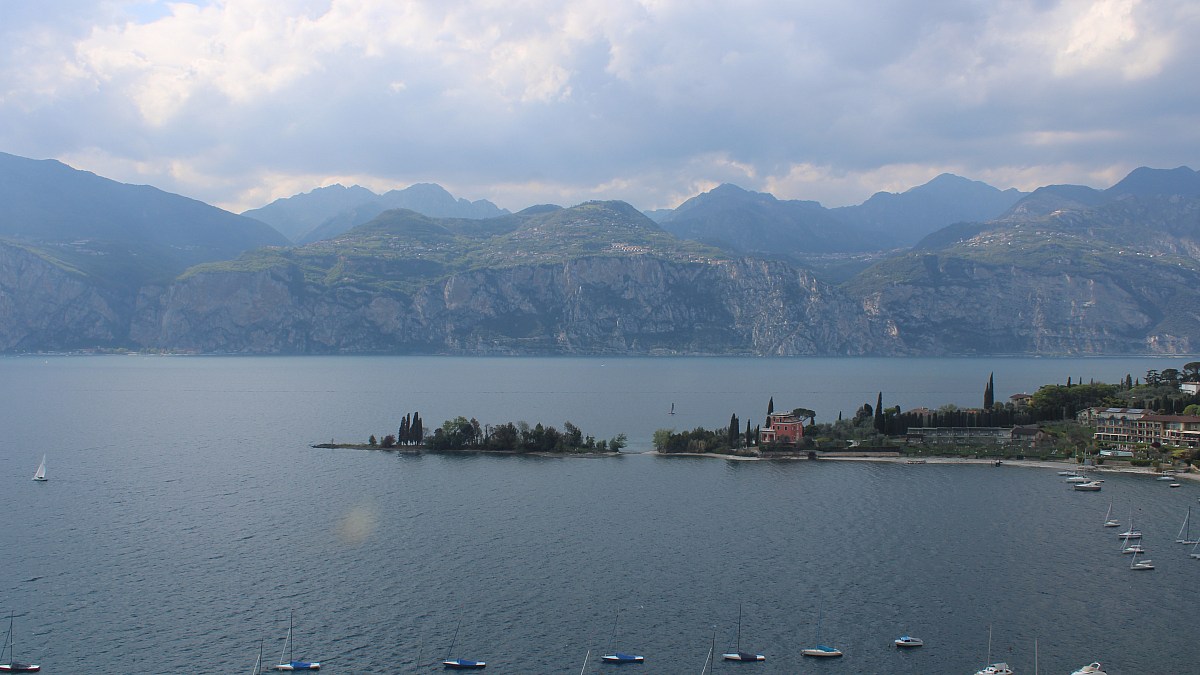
(46, 305)
(596, 305)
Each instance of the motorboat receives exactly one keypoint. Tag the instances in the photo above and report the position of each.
(1078, 479)
(1090, 486)
(908, 641)
(995, 669)
(1093, 668)
(463, 664)
(821, 650)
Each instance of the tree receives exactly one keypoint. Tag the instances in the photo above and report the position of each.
(734, 427)
(805, 414)
(619, 441)
(661, 438)
(879, 418)
(989, 394)
(388, 441)
(371, 441)
(1191, 371)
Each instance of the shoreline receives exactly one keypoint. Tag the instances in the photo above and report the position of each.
(903, 459)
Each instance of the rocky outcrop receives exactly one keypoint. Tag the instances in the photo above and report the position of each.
(598, 305)
(958, 306)
(47, 306)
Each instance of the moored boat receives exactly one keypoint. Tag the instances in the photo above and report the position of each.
(1093, 668)
(908, 641)
(14, 666)
(1090, 486)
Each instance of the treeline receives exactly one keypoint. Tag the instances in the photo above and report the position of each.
(729, 440)
(461, 433)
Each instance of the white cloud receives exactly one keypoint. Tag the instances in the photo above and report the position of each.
(648, 101)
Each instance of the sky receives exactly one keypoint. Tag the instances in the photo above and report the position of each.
(523, 102)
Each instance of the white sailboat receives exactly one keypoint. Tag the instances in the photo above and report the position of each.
(1143, 564)
(292, 664)
(1130, 546)
(820, 649)
(1108, 519)
(737, 654)
(40, 474)
(999, 668)
(464, 664)
(1130, 533)
(1185, 530)
(1093, 668)
(1195, 551)
(14, 666)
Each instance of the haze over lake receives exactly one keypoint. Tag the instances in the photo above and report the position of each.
(185, 516)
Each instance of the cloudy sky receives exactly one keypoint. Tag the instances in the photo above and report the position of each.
(239, 102)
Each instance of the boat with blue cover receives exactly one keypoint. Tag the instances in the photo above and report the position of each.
(908, 641)
(460, 664)
(620, 657)
(291, 663)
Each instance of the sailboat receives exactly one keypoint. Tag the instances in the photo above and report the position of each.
(620, 657)
(1195, 551)
(1093, 668)
(999, 668)
(672, 409)
(13, 666)
(820, 649)
(292, 664)
(461, 664)
(1185, 530)
(40, 474)
(1130, 533)
(737, 654)
(1108, 519)
(1127, 547)
(1143, 564)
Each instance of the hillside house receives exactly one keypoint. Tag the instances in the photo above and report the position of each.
(782, 429)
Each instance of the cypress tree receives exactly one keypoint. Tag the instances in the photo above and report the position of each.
(749, 437)
(734, 427)
(418, 432)
(989, 393)
(879, 413)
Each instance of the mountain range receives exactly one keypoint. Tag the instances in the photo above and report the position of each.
(86, 262)
(329, 211)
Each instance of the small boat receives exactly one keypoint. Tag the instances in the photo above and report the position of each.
(908, 641)
(290, 663)
(1195, 551)
(820, 649)
(619, 657)
(460, 664)
(1143, 564)
(1108, 519)
(737, 654)
(1174, 485)
(1067, 473)
(1000, 668)
(1165, 476)
(1090, 486)
(14, 666)
(40, 474)
(1129, 546)
(1130, 533)
(1185, 531)
(1078, 479)
(1093, 668)
(672, 409)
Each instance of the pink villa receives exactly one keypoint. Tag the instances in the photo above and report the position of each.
(782, 429)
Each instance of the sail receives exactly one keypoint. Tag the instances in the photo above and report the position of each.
(40, 474)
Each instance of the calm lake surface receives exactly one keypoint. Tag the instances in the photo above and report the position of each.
(186, 515)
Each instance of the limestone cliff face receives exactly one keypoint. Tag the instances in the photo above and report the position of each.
(46, 306)
(965, 307)
(636, 305)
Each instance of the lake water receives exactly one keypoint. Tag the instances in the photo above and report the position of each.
(185, 516)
